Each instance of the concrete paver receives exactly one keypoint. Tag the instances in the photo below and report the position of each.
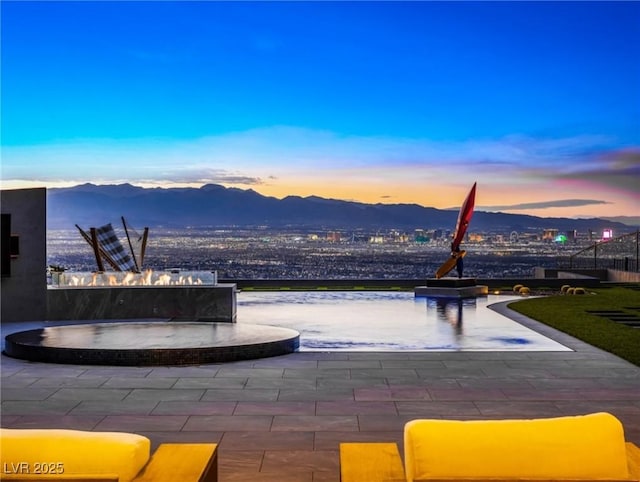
(281, 419)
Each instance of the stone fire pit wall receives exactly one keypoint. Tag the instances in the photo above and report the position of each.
(194, 303)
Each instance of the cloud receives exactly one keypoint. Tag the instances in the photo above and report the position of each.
(616, 170)
(284, 154)
(561, 203)
(204, 176)
(610, 169)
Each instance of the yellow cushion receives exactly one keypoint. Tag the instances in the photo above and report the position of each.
(582, 447)
(77, 452)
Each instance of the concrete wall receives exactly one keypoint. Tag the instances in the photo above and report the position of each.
(611, 275)
(575, 273)
(583, 274)
(24, 293)
(623, 276)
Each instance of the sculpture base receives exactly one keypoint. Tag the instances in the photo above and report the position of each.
(451, 288)
(451, 282)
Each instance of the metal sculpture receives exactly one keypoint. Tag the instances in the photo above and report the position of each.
(464, 217)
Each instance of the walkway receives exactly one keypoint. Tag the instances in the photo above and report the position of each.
(281, 419)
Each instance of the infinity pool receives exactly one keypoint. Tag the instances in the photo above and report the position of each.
(390, 321)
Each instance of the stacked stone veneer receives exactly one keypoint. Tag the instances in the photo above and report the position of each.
(203, 303)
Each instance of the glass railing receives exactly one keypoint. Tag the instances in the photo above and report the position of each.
(171, 277)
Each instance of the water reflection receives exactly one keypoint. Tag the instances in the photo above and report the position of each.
(155, 335)
(394, 321)
(451, 310)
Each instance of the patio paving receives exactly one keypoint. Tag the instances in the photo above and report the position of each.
(281, 419)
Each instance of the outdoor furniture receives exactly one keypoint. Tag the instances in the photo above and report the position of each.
(581, 448)
(74, 455)
(107, 247)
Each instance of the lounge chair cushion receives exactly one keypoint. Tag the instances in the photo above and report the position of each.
(581, 447)
(78, 452)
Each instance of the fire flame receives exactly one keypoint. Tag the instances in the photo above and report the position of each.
(146, 278)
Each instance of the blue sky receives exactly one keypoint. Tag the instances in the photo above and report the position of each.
(378, 102)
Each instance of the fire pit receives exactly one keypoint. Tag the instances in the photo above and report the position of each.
(171, 295)
(163, 318)
(172, 277)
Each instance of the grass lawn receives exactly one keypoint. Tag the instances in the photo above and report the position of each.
(572, 314)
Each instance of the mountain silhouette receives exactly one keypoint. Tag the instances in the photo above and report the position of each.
(213, 205)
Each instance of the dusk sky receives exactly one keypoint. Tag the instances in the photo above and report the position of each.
(388, 102)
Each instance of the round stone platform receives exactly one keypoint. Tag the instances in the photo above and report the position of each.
(151, 343)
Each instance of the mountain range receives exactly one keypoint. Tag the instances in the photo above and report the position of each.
(213, 205)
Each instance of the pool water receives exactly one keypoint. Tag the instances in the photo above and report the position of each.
(390, 321)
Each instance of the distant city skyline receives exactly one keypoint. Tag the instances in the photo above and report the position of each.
(390, 102)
